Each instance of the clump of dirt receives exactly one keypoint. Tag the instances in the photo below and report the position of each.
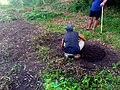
(4, 83)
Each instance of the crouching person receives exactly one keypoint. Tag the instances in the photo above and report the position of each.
(72, 42)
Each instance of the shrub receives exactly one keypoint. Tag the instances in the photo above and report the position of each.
(38, 15)
(114, 3)
(106, 79)
(80, 5)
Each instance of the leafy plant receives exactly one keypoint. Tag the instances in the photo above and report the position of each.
(54, 28)
(42, 51)
(101, 80)
(80, 5)
(38, 15)
(16, 68)
(9, 15)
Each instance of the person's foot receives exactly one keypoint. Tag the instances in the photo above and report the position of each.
(77, 56)
(87, 29)
(93, 30)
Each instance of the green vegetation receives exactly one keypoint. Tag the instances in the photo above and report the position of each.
(60, 79)
(54, 23)
(42, 52)
(114, 4)
(82, 5)
(19, 3)
(101, 80)
(111, 30)
(9, 15)
(77, 4)
(16, 68)
(39, 15)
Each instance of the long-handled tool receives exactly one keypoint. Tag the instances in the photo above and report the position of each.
(102, 21)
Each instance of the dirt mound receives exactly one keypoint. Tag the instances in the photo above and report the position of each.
(93, 54)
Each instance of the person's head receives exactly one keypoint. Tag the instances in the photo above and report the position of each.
(69, 28)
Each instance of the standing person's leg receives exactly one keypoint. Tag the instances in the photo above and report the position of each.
(90, 20)
(95, 23)
(97, 16)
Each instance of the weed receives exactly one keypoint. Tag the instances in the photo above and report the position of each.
(58, 28)
(16, 68)
(40, 15)
(42, 52)
(101, 80)
(82, 5)
(8, 15)
(6, 56)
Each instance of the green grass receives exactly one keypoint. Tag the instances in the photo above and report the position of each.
(44, 17)
(16, 68)
(107, 79)
(111, 29)
(42, 51)
(80, 6)
(9, 14)
(58, 28)
(59, 79)
(41, 15)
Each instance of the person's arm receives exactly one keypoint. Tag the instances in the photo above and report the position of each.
(103, 3)
(62, 43)
(82, 37)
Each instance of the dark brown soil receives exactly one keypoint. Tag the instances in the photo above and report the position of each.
(93, 55)
(18, 58)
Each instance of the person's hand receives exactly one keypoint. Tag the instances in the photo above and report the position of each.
(102, 4)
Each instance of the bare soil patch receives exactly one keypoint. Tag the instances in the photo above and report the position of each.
(93, 56)
(17, 56)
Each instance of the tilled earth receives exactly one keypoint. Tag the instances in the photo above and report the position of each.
(93, 56)
(18, 58)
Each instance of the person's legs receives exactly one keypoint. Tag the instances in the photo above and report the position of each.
(95, 23)
(77, 56)
(81, 45)
(96, 17)
(90, 21)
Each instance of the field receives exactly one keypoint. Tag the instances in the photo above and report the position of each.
(31, 57)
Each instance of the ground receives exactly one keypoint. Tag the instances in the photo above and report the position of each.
(18, 57)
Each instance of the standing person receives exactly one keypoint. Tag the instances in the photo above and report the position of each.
(72, 42)
(95, 13)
